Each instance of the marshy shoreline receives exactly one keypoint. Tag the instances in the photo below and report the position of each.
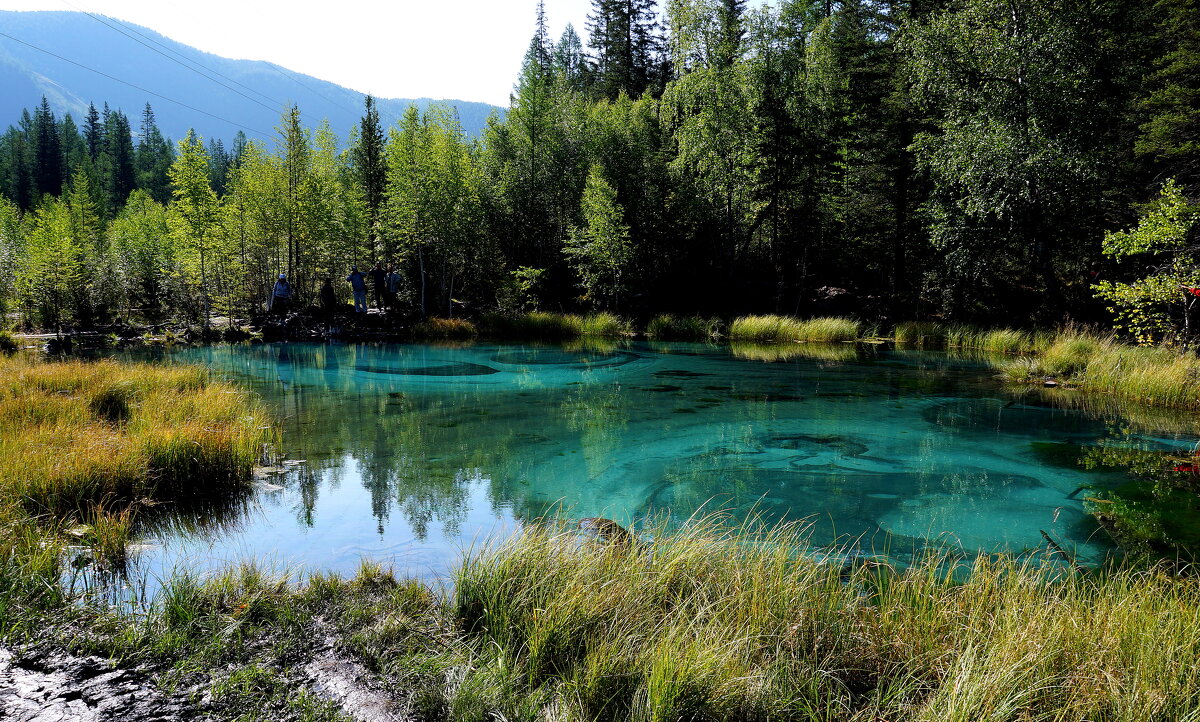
(708, 620)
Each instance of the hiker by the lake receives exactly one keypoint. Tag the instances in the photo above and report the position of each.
(358, 284)
(328, 303)
(281, 296)
(393, 285)
(378, 283)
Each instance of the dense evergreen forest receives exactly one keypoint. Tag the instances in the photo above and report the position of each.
(960, 159)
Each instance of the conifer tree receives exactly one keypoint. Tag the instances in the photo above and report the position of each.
(153, 158)
(47, 152)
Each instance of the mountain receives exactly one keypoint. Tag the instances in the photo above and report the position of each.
(247, 95)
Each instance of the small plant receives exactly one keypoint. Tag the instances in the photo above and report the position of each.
(8, 344)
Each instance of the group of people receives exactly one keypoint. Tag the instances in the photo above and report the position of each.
(384, 282)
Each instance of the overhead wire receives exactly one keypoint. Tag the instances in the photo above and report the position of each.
(180, 103)
(104, 21)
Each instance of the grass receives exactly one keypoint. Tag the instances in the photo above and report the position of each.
(453, 329)
(74, 434)
(545, 326)
(718, 622)
(776, 329)
(668, 327)
(709, 620)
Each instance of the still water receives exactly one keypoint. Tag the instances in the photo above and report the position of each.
(408, 453)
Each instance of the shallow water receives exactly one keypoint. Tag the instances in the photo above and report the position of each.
(408, 453)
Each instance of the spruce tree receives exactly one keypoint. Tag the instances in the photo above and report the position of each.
(152, 159)
(47, 152)
(370, 165)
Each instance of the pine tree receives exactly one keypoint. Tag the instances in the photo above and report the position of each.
(47, 152)
(117, 160)
(153, 158)
(624, 36)
(370, 165)
(93, 133)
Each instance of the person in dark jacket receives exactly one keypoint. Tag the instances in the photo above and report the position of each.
(358, 284)
(379, 284)
(328, 303)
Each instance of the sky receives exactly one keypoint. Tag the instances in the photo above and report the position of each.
(455, 49)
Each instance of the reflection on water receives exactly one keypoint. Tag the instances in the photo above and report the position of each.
(407, 453)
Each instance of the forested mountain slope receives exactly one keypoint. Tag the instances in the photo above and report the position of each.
(249, 96)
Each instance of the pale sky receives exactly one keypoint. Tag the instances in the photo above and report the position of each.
(461, 49)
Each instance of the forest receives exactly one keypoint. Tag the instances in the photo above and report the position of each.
(955, 160)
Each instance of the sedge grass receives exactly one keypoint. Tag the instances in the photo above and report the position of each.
(668, 327)
(73, 434)
(713, 622)
(452, 329)
(778, 329)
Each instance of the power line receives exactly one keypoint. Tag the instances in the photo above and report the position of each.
(292, 76)
(182, 58)
(101, 20)
(137, 87)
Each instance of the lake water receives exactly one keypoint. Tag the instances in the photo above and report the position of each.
(408, 453)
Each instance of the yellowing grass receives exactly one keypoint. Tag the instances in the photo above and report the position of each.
(74, 433)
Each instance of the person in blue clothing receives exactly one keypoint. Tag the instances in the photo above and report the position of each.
(358, 284)
(281, 296)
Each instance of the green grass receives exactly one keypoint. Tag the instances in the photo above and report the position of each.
(778, 329)
(8, 344)
(453, 329)
(714, 622)
(668, 327)
(545, 326)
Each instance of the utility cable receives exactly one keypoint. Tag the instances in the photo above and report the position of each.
(101, 20)
(137, 87)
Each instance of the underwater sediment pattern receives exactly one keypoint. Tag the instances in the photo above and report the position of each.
(408, 453)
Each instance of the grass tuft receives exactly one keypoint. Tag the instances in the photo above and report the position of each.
(667, 327)
(452, 329)
(778, 329)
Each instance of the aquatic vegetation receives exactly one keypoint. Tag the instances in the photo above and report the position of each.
(604, 324)
(73, 433)
(768, 329)
(920, 333)
(539, 325)
(455, 329)
(668, 327)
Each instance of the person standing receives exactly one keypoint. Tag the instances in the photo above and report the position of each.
(281, 296)
(358, 284)
(378, 282)
(328, 303)
(393, 285)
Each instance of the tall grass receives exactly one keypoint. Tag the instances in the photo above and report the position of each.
(455, 329)
(713, 622)
(545, 326)
(668, 327)
(777, 329)
(74, 433)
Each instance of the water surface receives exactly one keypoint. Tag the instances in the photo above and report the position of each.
(408, 453)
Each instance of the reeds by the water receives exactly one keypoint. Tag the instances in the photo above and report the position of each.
(545, 326)
(775, 329)
(75, 433)
(669, 327)
(719, 623)
(450, 329)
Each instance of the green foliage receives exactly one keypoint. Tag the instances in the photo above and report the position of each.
(600, 251)
(1159, 306)
(668, 327)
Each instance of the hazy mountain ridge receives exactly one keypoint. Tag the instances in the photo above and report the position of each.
(26, 74)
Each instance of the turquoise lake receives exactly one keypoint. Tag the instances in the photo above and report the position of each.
(407, 454)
